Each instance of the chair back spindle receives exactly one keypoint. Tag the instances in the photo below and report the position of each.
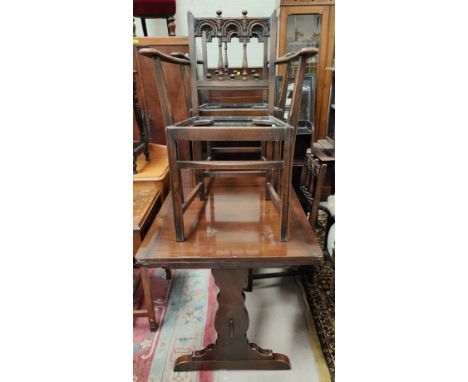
(222, 30)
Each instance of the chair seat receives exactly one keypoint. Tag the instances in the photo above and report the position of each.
(154, 8)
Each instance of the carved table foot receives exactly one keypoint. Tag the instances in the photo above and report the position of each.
(232, 349)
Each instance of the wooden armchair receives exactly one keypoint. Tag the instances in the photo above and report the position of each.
(231, 124)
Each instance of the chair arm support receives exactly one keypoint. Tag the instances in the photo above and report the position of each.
(289, 57)
(154, 53)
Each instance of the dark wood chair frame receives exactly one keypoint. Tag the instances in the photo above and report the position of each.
(232, 129)
(276, 136)
(141, 146)
(142, 277)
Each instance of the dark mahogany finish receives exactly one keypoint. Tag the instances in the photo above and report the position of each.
(141, 146)
(222, 30)
(265, 129)
(233, 230)
(277, 137)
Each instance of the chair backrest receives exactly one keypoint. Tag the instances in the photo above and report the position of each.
(221, 30)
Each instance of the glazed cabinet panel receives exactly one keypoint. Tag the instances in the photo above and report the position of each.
(309, 23)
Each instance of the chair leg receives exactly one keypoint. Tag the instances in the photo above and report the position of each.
(143, 25)
(145, 282)
(176, 187)
(171, 25)
(269, 174)
(286, 174)
(197, 155)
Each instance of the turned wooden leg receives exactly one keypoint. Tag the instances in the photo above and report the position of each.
(232, 349)
(171, 25)
(148, 299)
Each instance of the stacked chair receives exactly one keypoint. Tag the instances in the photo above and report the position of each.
(216, 128)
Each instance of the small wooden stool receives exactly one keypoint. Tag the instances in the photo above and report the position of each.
(146, 204)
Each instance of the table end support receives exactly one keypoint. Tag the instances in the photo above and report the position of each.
(232, 349)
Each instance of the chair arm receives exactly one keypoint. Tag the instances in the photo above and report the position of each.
(154, 53)
(186, 56)
(304, 52)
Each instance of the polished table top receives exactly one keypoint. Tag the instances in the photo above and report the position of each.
(234, 228)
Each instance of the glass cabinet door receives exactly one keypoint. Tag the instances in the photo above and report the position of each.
(304, 26)
(304, 31)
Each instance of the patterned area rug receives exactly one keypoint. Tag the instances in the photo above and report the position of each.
(192, 313)
(185, 308)
(320, 293)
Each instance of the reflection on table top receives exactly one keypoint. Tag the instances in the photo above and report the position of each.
(234, 228)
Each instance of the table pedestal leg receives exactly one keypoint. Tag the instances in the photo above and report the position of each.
(232, 349)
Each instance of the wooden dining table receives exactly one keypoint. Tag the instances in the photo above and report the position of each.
(235, 229)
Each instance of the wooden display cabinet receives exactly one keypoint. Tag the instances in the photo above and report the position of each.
(311, 23)
(146, 88)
